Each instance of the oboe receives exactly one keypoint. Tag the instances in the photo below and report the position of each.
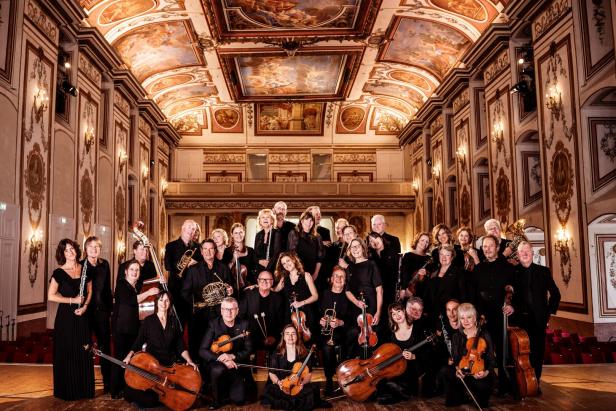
(82, 284)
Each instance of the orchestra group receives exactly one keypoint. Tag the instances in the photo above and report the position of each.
(385, 326)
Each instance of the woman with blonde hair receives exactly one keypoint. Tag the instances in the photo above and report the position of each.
(267, 242)
(441, 236)
(221, 239)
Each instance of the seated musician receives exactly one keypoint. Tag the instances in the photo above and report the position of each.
(415, 309)
(161, 335)
(196, 278)
(405, 334)
(415, 265)
(291, 350)
(268, 306)
(480, 356)
(344, 332)
(239, 254)
(225, 378)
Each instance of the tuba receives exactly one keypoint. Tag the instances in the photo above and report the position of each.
(516, 230)
(212, 293)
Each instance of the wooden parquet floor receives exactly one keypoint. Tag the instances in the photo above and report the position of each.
(565, 388)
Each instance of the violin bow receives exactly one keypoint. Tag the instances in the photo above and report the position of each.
(469, 392)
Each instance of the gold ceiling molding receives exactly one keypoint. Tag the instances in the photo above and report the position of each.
(461, 100)
(551, 15)
(497, 66)
(254, 205)
(436, 125)
(42, 21)
(289, 158)
(354, 158)
(144, 126)
(88, 69)
(121, 103)
(224, 158)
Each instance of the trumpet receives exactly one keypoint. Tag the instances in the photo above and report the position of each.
(213, 294)
(328, 330)
(185, 261)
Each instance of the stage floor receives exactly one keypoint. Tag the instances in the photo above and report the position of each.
(565, 387)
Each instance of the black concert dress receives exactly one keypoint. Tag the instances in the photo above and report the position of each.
(307, 399)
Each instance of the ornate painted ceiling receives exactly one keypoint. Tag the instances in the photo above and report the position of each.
(369, 58)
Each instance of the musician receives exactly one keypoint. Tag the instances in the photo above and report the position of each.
(349, 233)
(363, 276)
(378, 225)
(386, 260)
(226, 380)
(221, 240)
(238, 251)
(334, 300)
(335, 250)
(297, 287)
(466, 239)
(268, 241)
(405, 334)
(73, 368)
(269, 308)
(174, 251)
(101, 303)
(479, 383)
(441, 236)
(125, 321)
(282, 225)
(449, 325)
(532, 285)
(488, 284)
(322, 231)
(451, 311)
(210, 270)
(162, 338)
(493, 227)
(415, 309)
(415, 266)
(147, 269)
(308, 246)
(290, 351)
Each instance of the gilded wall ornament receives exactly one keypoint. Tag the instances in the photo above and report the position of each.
(120, 206)
(503, 196)
(40, 102)
(598, 17)
(35, 181)
(86, 199)
(561, 182)
(608, 141)
(612, 257)
(498, 132)
(465, 206)
(143, 211)
(440, 212)
(556, 72)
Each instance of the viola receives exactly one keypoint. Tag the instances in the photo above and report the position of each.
(292, 385)
(367, 336)
(473, 362)
(358, 378)
(224, 343)
(177, 386)
(298, 318)
(416, 278)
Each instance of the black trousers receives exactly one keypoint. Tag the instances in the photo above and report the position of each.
(100, 325)
(536, 335)
(229, 380)
(495, 328)
(455, 393)
(123, 343)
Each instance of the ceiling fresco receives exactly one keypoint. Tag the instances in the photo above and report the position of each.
(384, 58)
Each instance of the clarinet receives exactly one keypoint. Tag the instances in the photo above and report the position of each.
(446, 336)
(269, 240)
(399, 283)
(82, 284)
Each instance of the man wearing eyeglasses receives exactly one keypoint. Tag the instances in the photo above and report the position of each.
(226, 379)
(267, 306)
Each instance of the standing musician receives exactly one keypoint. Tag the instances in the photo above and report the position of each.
(322, 231)
(290, 351)
(441, 236)
(489, 282)
(449, 325)
(239, 252)
(226, 380)
(221, 240)
(464, 351)
(125, 321)
(363, 277)
(162, 338)
(335, 250)
(532, 285)
(378, 224)
(174, 251)
(268, 241)
(282, 225)
(209, 271)
(101, 303)
(307, 244)
(466, 239)
(493, 228)
(387, 261)
(268, 307)
(296, 284)
(140, 253)
(337, 326)
(349, 233)
(415, 266)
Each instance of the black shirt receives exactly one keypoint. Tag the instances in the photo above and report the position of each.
(249, 261)
(324, 233)
(286, 228)
(165, 344)
(364, 277)
(102, 299)
(263, 243)
(174, 252)
(488, 282)
(309, 249)
(126, 309)
(200, 275)
(147, 271)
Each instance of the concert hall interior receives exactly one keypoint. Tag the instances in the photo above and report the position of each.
(425, 185)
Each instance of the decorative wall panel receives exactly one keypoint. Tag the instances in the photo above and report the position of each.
(462, 136)
(226, 120)
(602, 134)
(352, 120)
(7, 38)
(596, 34)
(288, 119)
(87, 138)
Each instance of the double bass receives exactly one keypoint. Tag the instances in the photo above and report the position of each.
(177, 386)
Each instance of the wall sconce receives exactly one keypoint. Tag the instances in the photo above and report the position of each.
(121, 250)
(561, 246)
(41, 103)
(498, 131)
(122, 159)
(461, 154)
(554, 100)
(164, 184)
(35, 244)
(89, 137)
(436, 172)
(415, 185)
(145, 172)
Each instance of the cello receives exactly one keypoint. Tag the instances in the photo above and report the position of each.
(177, 386)
(358, 378)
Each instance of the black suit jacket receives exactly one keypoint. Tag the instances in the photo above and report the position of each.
(242, 347)
(126, 309)
(531, 288)
(275, 248)
(394, 242)
(249, 306)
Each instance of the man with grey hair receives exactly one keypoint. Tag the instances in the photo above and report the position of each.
(378, 226)
(493, 227)
(282, 225)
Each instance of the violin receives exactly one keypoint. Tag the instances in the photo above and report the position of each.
(469, 261)
(358, 378)
(416, 278)
(298, 318)
(367, 336)
(239, 271)
(292, 385)
(224, 343)
(177, 386)
(473, 362)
